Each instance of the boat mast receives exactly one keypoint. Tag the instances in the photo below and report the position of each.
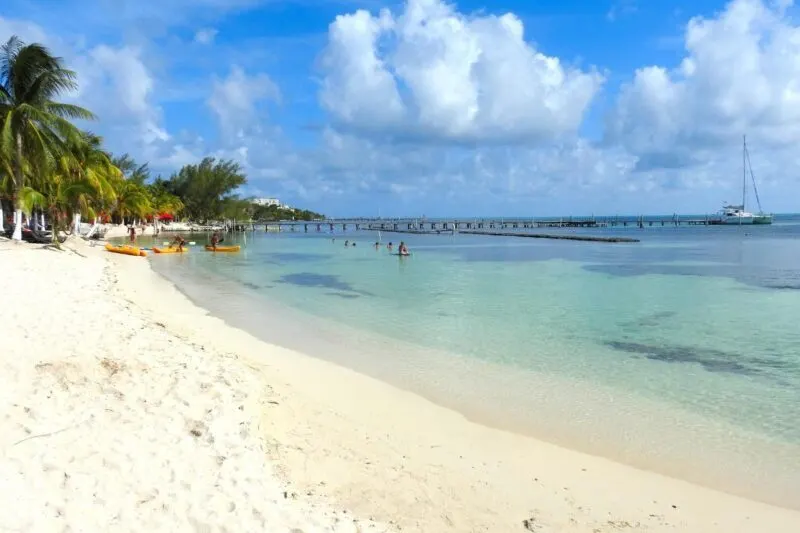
(744, 175)
(753, 178)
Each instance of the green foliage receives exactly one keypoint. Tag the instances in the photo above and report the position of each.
(132, 171)
(207, 189)
(272, 213)
(162, 200)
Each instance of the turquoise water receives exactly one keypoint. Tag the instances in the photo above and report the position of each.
(680, 353)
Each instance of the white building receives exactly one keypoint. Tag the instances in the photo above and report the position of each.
(267, 201)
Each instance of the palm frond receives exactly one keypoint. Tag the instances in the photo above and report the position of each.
(69, 111)
(31, 199)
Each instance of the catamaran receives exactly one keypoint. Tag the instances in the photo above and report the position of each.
(736, 214)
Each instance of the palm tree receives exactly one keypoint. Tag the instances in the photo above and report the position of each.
(93, 166)
(163, 202)
(59, 195)
(34, 126)
(131, 169)
(5, 187)
(132, 200)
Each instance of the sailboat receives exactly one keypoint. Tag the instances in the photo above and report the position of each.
(736, 214)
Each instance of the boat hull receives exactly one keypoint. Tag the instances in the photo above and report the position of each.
(126, 249)
(224, 249)
(762, 219)
(170, 250)
(736, 221)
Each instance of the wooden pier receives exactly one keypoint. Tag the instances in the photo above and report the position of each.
(481, 226)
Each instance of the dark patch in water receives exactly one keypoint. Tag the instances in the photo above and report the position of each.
(345, 295)
(310, 279)
(250, 285)
(710, 359)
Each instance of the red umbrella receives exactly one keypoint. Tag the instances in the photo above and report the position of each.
(165, 217)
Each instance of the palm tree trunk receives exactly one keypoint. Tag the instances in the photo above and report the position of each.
(55, 217)
(17, 236)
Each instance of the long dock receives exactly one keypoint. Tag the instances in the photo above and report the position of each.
(482, 226)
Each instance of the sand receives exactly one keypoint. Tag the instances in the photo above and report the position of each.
(126, 407)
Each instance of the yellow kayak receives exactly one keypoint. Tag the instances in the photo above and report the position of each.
(126, 249)
(171, 250)
(210, 248)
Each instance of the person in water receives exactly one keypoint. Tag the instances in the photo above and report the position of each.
(377, 245)
(389, 246)
(402, 249)
(346, 243)
(215, 240)
(179, 242)
(132, 234)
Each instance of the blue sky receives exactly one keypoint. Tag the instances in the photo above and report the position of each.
(443, 108)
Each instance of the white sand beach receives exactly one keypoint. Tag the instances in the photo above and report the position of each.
(125, 407)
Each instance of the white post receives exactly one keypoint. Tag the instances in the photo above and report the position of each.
(41, 219)
(77, 229)
(17, 236)
(2, 220)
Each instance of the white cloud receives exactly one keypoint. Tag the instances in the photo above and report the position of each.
(205, 35)
(120, 72)
(234, 100)
(432, 72)
(740, 75)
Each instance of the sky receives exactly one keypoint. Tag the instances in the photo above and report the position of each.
(427, 107)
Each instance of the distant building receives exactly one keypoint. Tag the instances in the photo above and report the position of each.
(267, 201)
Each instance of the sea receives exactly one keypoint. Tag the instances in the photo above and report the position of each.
(678, 354)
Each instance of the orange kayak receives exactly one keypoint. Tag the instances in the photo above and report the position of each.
(236, 248)
(126, 249)
(171, 250)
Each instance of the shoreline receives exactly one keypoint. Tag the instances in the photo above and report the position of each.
(518, 400)
(363, 445)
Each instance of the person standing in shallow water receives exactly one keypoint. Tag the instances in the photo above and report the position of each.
(389, 246)
(179, 242)
(215, 240)
(132, 234)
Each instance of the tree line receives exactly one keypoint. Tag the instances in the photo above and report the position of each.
(57, 174)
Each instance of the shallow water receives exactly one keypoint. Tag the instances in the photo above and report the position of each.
(680, 353)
